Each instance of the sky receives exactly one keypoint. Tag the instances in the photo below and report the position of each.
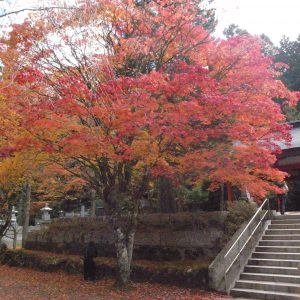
(275, 18)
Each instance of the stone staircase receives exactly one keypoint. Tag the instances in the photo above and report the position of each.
(273, 271)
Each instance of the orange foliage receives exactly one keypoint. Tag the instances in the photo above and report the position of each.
(117, 92)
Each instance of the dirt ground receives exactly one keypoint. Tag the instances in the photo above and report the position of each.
(19, 284)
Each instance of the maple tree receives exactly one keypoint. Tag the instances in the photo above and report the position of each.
(120, 92)
(16, 175)
(18, 168)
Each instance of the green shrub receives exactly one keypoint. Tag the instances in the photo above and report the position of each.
(193, 194)
(239, 212)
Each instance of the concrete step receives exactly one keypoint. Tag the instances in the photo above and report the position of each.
(266, 295)
(276, 255)
(282, 231)
(288, 249)
(286, 221)
(268, 286)
(274, 262)
(287, 217)
(284, 226)
(289, 237)
(271, 277)
(279, 243)
(272, 270)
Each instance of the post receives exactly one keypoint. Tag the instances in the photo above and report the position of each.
(82, 211)
(21, 210)
(15, 236)
(222, 200)
(229, 194)
(25, 224)
(93, 203)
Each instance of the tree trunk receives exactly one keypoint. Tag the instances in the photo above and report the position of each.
(5, 215)
(20, 210)
(130, 243)
(26, 213)
(122, 258)
(3, 228)
(15, 239)
(124, 242)
(93, 203)
(222, 200)
(167, 201)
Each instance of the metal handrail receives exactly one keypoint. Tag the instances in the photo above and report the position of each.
(240, 250)
(259, 209)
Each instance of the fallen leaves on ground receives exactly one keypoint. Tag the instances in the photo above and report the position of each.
(19, 284)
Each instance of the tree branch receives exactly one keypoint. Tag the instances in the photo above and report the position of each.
(35, 9)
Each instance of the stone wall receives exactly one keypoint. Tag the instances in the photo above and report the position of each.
(159, 236)
(187, 276)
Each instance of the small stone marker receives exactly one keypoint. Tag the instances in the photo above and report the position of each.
(82, 211)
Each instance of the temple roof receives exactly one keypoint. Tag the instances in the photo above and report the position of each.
(295, 132)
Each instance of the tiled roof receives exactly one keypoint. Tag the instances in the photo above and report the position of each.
(295, 132)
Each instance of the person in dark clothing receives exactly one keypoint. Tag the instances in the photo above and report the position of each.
(283, 197)
(90, 253)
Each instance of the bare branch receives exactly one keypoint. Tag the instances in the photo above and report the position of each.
(35, 9)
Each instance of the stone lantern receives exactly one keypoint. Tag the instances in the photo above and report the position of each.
(13, 218)
(46, 213)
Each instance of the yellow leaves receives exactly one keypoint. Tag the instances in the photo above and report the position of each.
(16, 170)
(144, 148)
